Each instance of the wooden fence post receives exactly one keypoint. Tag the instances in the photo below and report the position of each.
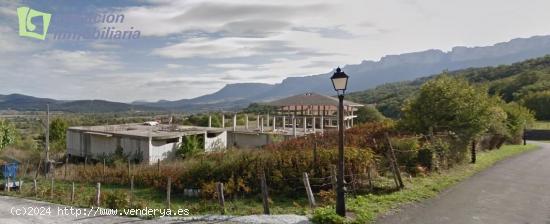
(265, 195)
(369, 177)
(35, 188)
(37, 169)
(85, 162)
(473, 152)
(26, 169)
(168, 186)
(221, 198)
(8, 186)
(395, 166)
(72, 193)
(103, 173)
(98, 195)
(309, 193)
(390, 161)
(158, 167)
(131, 190)
(333, 177)
(20, 185)
(51, 189)
(129, 168)
(66, 164)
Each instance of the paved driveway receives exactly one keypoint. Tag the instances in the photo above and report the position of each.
(516, 190)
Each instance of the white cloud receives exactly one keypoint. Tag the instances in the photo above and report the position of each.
(249, 41)
(232, 66)
(71, 62)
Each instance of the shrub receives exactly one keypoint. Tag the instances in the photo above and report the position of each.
(425, 157)
(369, 114)
(327, 196)
(190, 146)
(538, 102)
(116, 199)
(406, 151)
(327, 215)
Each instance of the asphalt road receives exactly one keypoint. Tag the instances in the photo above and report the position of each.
(516, 190)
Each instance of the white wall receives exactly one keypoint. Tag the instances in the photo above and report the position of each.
(253, 140)
(73, 143)
(102, 145)
(135, 146)
(161, 150)
(215, 143)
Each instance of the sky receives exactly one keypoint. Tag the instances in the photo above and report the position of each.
(189, 48)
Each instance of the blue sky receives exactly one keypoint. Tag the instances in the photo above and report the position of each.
(189, 48)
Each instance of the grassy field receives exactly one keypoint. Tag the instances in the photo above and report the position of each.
(366, 207)
(540, 125)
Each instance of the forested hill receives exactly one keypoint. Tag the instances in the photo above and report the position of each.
(527, 82)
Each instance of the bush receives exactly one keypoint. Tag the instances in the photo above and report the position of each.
(116, 199)
(425, 157)
(439, 149)
(406, 151)
(327, 215)
(539, 103)
(190, 146)
(369, 114)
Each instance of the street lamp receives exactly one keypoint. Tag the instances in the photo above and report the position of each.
(340, 83)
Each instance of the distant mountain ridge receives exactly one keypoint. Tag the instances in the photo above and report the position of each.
(368, 74)
(21, 102)
(363, 76)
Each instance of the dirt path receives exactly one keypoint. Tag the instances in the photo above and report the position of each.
(516, 190)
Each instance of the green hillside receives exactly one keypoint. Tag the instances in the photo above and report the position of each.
(527, 82)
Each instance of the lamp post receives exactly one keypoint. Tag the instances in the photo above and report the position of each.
(340, 82)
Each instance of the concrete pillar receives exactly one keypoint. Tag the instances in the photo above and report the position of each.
(262, 125)
(246, 121)
(258, 121)
(305, 124)
(209, 121)
(234, 122)
(352, 117)
(267, 120)
(223, 120)
(321, 126)
(314, 124)
(284, 123)
(294, 126)
(274, 121)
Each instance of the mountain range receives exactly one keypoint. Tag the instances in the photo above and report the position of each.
(367, 74)
(21, 102)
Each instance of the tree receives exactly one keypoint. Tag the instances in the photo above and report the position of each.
(452, 105)
(256, 108)
(7, 134)
(190, 145)
(538, 102)
(58, 134)
(368, 114)
(518, 117)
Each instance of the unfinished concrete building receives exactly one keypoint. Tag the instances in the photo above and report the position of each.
(295, 116)
(144, 142)
(312, 111)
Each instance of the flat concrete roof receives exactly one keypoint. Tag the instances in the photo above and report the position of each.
(158, 132)
(310, 99)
